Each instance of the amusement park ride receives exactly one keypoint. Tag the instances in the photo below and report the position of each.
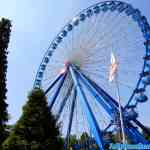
(74, 73)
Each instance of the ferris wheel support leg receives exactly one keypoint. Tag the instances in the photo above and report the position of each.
(70, 119)
(64, 102)
(134, 133)
(114, 104)
(53, 83)
(133, 130)
(110, 110)
(57, 91)
(90, 116)
(137, 136)
(142, 126)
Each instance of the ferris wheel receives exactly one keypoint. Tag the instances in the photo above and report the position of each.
(75, 71)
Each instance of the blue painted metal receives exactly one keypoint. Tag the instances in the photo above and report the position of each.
(90, 116)
(129, 10)
(57, 91)
(46, 60)
(40, 75)
(137, 135)
(82, 16)
(89, 13)
(43, 67)
(115, 5)
(146, 80)
(132, 129)
(121, 7)
(69, 27)
(142, 98)
(54, 46)
(132, 114)
(50, 53)
(116, 103)
(62, 105)
(96, 9)
(139, 90)
(76, 22)
(142, 126)
(53, 83)
(132, 106)
(104, 7)
(131, 135)
(111, 5)
(59, 39)
(109, 125)
(97, 96)
(71, 118)
(64, 33)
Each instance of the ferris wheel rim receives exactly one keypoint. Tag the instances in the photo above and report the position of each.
(50, 51)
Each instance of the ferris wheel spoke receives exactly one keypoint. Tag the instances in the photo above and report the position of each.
(71, 115)
(106, 79)
(53, 83)
(87, 35)
(81, 37)
(63, 103)
(100, 38)
(57, 92)
(94, 31)
(98, 110)
(103, 25)
(99, 69)
(82, 40)
(109, 125)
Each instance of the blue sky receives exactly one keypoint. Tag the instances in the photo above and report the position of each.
(35, 23)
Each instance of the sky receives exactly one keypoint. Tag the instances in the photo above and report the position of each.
(34, 25)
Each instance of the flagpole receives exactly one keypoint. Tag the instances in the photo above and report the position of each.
(120, 109)
(113, 75)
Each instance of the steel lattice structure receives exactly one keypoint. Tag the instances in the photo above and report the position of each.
(74, 71)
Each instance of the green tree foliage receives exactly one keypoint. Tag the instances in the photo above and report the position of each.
(72, 140)
(36, 129)
(84, 137)
(5, 29)
(147, 135)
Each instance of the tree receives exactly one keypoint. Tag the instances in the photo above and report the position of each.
(72, 141)
(146, 134)
(37, 128)
(84, 137)
(5, 29)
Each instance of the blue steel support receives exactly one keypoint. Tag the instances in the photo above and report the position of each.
(109, 100)
(142, 126)
(62, 105)
(135, 133)
(53, 83)
(110, 110)
(107, 97)
(71, 118)
(109, 125)
(115, 103)
(57, 91)
(90, 116)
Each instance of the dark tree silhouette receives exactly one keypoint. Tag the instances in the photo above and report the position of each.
(5, 29)
(37, 128)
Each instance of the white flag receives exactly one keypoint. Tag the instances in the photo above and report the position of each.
(113, 67)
